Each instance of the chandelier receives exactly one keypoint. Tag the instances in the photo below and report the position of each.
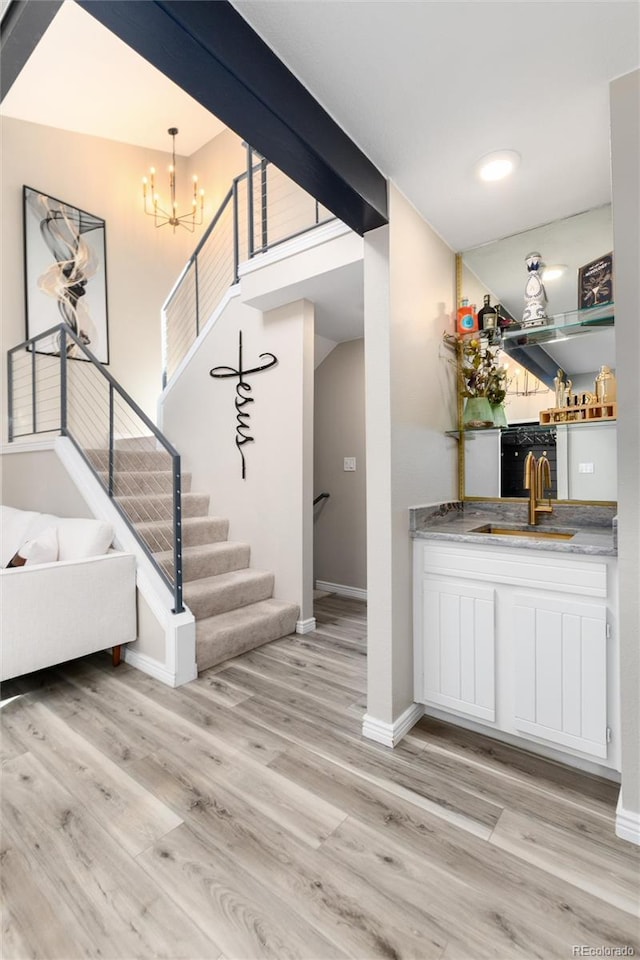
(152, 199)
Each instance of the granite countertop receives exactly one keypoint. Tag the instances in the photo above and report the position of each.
(593, 527)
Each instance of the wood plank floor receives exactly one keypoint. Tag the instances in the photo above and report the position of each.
(244, 816)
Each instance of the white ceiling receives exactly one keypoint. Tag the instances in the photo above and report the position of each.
(101, 87)
(426, 88)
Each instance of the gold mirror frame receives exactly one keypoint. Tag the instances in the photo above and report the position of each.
(461, 431)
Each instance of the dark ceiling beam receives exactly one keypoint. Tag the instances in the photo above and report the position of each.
(210, 51)
(23, 24)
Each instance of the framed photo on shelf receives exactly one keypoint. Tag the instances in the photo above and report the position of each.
(65, 275)
(595, 282)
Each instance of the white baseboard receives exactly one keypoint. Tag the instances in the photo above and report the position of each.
(627, 824)
(357, 593)
(390, 734)
(155, 669)
(306, 626)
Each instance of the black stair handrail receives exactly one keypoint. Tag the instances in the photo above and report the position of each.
(65, 332)
(321, 496)
(253, 248)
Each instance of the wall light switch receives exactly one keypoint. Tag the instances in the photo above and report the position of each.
(582, 468)
(349, 463)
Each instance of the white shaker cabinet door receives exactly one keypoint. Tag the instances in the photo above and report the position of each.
(458, 646)
(560, 659)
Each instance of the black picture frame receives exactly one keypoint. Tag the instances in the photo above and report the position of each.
(595, 282)
(65, 274)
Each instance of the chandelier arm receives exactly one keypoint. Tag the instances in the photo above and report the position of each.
(162, 217)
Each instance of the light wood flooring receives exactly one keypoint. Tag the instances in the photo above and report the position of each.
(244, 816)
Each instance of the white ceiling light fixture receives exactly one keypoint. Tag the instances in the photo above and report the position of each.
(497, 165)
(554, 271)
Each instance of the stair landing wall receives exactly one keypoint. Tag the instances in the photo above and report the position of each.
(272, 507)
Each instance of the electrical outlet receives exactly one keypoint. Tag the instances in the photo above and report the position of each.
(585, 468)
(349, 463)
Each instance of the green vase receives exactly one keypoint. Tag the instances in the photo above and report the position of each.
(499, 415)
(477, 413)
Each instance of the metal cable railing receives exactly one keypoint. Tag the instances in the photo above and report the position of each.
(263, 208)
(51, 389)
(137, 466)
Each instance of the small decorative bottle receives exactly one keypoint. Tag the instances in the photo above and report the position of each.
(535, 298)
(563, 389)
(488, 315)
(467, 320)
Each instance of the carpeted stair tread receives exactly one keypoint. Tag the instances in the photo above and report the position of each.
(233, 605)
(131, 459)
(211, 596)
(160, 506)
(228, 635)
(158, 534)
(134, 482)
(208, 559)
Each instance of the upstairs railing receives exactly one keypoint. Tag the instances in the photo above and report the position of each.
(262, 209)
(56, 385)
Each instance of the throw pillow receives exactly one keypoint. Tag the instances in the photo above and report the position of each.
(14, 530)
(42, 549)
(78, 539)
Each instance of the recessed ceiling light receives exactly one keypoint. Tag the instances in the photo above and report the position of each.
(554, 271)
(496, 166)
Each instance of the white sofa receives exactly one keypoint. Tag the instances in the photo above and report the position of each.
(82, 601)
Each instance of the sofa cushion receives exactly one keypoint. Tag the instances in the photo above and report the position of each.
(42, 549)
(14, 525)
(78, 539)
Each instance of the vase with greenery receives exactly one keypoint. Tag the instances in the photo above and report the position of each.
(476, 364)
(482, 381)
(496, 394)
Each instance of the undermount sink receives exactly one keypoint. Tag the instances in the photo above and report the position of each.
(535, 533)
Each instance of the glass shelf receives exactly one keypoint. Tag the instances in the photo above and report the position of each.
(456, 433)
(562, 326)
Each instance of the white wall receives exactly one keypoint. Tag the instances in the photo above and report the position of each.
(340, 528)
(593, 446)
(272, 508)
(410, 398)
(216, 164)
(36, 480)
(625, 150)
(482, 465)
(105, 178)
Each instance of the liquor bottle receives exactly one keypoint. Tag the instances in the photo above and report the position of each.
(488, 316)
(467, 320)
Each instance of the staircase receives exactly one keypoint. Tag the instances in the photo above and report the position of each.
(233, 605)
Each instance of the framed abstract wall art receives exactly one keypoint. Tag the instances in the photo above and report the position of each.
(65, 274)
